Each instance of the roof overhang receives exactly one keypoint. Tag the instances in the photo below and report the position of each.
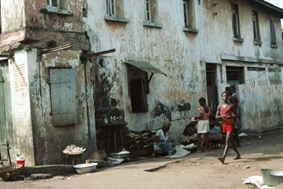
(270, 6)
(144, 66)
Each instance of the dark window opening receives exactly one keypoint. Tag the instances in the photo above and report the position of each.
(235, 75)
(272, 32)
(189, 17)
(235, 21)
(210, 74)
(256, 26)
(138, 89)
(256, 69)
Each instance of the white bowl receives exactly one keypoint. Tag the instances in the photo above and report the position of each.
(85, 168)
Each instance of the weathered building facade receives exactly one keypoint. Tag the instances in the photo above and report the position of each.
(201, 46)
(49, 86)
(167, 55)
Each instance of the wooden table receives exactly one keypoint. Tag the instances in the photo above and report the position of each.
(114, 127)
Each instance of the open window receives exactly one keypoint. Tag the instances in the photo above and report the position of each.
(64, 96)
(236, 22)
(57, 7)
(189, 14)
(235, 75)
(138, 83)
(138, 89)
(272, 33)
(151, 13)
(256, 27)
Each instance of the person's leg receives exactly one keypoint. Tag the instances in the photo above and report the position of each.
(236, 137)
(228, 137)
(238, 156)
(199, 141)
(206, 141)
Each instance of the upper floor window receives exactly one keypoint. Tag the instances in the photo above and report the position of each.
(151, 11)
(235, 21)
(115, 11)
(111, 7)
(54, 3)
(189, 14)
(256, 26)
(272, 33)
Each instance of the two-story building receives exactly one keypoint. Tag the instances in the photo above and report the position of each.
(194, 48)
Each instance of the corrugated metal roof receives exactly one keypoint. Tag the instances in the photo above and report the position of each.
(144, 66)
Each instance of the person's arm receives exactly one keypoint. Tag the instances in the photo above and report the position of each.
(233, 109)
(218, 115)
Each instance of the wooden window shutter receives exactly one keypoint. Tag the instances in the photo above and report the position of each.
(64, 96)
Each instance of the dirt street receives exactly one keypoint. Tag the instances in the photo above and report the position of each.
(201, 170)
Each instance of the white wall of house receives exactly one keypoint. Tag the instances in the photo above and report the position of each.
(182, 56)
(21, 107)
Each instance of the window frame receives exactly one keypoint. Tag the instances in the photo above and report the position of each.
(50, 3)
(148, 17)
(186, 13)
(235, 21)
(111, 8)
(256, 30)
(273, 34)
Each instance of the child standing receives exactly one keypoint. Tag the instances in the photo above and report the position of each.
(203, 123)
(224, 112)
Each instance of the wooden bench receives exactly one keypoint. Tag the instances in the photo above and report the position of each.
(4, 147)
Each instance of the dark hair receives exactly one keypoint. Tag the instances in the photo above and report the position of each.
(202, 100)
(223, 93)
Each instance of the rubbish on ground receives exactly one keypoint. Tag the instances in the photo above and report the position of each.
(243, 135)
(20, 160)
(98, 155)
(272, 177)
(114, 161)
(180, 152)
(10, 172)
(247, 167)
(258, 181)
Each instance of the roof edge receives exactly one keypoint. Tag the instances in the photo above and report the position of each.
(271, 6)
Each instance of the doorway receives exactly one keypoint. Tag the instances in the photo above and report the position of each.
(211, 84)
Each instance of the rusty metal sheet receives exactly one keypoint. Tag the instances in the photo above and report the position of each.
(144, 66)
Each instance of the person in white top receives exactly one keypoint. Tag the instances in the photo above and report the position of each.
(162, 140)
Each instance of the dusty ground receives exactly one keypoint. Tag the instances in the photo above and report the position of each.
(201, 170)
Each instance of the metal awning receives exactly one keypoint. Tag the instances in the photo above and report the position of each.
(144, 66)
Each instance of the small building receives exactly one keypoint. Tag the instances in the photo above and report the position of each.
(46, 88)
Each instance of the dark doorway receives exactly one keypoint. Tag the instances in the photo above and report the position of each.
(211, 83)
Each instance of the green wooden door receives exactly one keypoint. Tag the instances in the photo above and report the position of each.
(6, 127)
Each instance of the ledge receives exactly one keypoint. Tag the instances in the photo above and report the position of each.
(274, 46)
(258, 43)
(153, 25)
(116, 19)
(54, 10)
(236, 39)
(190, 30)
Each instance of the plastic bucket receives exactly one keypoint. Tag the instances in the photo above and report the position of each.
(20, 162)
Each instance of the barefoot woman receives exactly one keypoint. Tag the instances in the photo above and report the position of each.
(224, 111)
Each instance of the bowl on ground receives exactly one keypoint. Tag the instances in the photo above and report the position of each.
(272, 177)
(85, 168)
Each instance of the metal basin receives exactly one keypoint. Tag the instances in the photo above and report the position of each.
(272, 177)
